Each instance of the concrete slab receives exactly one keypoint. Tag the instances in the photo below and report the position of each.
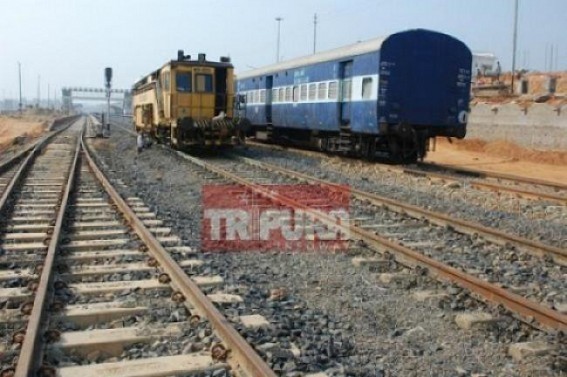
(33, 212)
(224, 298)
(117, 286)
(160, 231)
(30, 219)
(561, 307)
(208, 281)
(90, 314)
(374, 263)
(469, 321)
(92, 204)
(180, 249)
(11, 316)
(519, 351)
(24, 236)
(77, 272)
(23, 246)
(112, 341)
(146, 215)
(83, 225)
(41, 227)
(254, 321)
(18, 274)
(94, 244)
(169, 240)
(148, 367)
(14, 293)
(152, 222)
(102, 254)
(429, 295)
(395, 278)
(139, 209)
(96, 234)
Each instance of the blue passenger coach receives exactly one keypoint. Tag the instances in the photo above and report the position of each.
(382, 97)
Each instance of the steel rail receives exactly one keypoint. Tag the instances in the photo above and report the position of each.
(525, 308)
(488, 174)
(537, 248)
(486, 186)
(244, 355)
(28, 360)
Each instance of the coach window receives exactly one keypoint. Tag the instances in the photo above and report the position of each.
(322, 90)
(282, 95)
(262, 96)
(183, 82)
(296, 93)
(288, 95)
(204, 83)
(275, 97)
(333, 90)
(303, 92)
(312, 92)
(166, 81)
(367, 88)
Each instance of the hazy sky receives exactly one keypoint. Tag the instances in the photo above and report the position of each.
(69, 42)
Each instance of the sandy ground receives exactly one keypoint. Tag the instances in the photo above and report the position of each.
(502, 157)
(10, 128)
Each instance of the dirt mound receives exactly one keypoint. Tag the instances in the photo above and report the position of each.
(506, 149)
(11, 128)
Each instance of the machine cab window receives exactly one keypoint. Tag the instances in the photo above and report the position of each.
(204, 83)
(183, 82)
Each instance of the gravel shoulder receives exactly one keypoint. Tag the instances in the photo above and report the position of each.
(344, 320)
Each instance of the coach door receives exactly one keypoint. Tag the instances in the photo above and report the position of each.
(345, 75)
(269, 86)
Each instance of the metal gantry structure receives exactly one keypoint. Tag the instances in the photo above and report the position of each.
(120, 96)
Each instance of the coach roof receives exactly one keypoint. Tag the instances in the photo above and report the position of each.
(337, 53)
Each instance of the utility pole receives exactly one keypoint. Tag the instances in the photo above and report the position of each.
(20, 81)
(48, 95)
(551, 57)
(514, 44)
(38, 90)
(279, 20)
(315, 33)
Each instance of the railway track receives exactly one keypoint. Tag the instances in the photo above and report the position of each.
(515, 294)
(89, 286)
(410, 244)
(481, 180)
(146, 179)
(559, 255)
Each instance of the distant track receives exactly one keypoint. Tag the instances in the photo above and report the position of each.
(454, 174)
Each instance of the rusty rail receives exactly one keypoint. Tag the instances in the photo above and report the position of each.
(517, 304)
(241, 352)
(537, 248)
(487, 186)
(487, 174)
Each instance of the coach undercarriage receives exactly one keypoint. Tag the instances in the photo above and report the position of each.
(406, 147)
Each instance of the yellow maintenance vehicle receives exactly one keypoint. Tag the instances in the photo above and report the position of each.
(188, 103)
